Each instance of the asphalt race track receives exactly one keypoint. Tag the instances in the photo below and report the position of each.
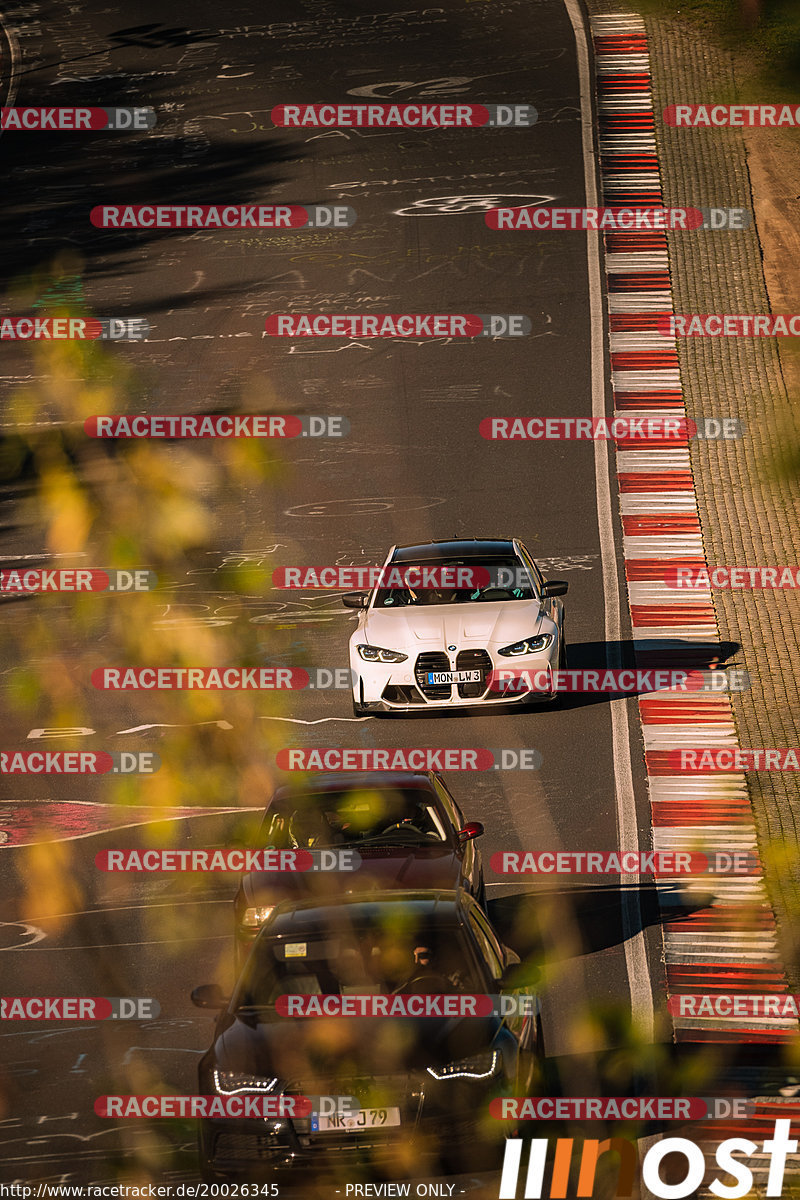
(412, 468)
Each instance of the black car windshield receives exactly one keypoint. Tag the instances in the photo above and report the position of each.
(455, 581)
(356, 817)
(366, 959)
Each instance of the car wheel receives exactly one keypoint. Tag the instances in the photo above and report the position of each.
(562, 651)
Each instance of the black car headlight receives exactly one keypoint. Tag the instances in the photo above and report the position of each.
(234, 1083)
(379, 654)
(478, 1066)
(531, 645)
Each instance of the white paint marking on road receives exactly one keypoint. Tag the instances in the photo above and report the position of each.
(222, 937)
(16, 58)
(32, 932)
(319, 721)
(158, 818)
(162, 725)
(634, 944)
(173, 902)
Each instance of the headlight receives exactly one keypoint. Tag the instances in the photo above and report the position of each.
(253, 917)
(531, 645)
(231, 1083)
(378, 654)
(478, 1066)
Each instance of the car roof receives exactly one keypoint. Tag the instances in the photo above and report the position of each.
(292, 918)
(342, 781)
(459, 547)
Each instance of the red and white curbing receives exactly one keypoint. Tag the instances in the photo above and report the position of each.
(730, 946)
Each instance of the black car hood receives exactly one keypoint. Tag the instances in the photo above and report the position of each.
(436, 867)
(330, 1047)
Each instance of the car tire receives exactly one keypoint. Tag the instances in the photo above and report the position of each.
(562, 650)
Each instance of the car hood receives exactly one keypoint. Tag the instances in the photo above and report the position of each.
(441, 625)
(385, 868)
(322, 1049)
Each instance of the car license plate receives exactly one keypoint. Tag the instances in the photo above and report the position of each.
(435, 677)
(366, 1118)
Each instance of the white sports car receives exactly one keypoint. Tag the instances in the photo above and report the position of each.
(456, 624)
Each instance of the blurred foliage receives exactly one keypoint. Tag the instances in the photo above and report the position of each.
(176, 508)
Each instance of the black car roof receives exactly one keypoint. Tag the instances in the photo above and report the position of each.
(291, 918)
(460, 547)
(340, 781)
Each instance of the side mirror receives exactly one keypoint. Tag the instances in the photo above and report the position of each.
(473, 829)
(556, 587)
(209, 995)
(520, 975)
(355, 599)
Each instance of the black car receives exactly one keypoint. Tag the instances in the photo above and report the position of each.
(408, 831)
(422, 1082)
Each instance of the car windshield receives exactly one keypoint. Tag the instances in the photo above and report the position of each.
(380, 958)
(455, 581)
(356, 817)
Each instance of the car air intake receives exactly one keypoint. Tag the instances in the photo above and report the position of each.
(473, 660)
(432, 661)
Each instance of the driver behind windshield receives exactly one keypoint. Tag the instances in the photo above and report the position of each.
(355, 818)
(505, 579)
(365, 960)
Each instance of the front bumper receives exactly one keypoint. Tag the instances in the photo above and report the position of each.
(237, 1150)
(401, 687)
